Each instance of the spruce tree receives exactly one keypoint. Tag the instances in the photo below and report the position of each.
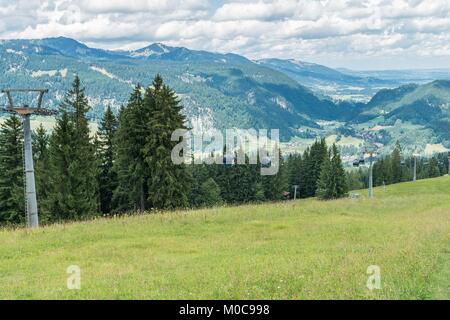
(275, 186)
(130, 166)
(224, 175)
(356, 179)
(86, 189)
(41, 141)
(332, 183)
(210, 193)
(304, 178)
(326, 182)
(244, 179)
(199, 175)
(433, 168)
(295, 173)
(169, 183)
(73, 194)
(60, 173)
(107, 177)
(339, 173)
(314, 158)
(12, 208)
(396, 168)
(382, 171)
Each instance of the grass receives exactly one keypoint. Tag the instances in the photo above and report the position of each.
(294, 250)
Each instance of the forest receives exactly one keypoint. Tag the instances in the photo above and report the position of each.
(125, 167)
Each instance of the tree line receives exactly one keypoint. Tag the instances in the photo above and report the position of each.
(126, 166)
(395, 168)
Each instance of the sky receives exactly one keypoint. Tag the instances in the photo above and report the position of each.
(354, 34)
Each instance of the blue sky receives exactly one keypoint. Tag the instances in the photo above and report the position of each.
(356, 34)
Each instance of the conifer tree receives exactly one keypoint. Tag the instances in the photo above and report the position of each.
(306, 174)
(356, 179)
(198, 173)
(326, 182)
(295, 173)
(244, 179)
(332, 183)
(396, 168)
(210, 193)
(130, 165)
(41, 141)
(339, 173)
(382, 171)
(274, 186)
(223, 179)
(12, 208)
(313, 167)
(223, 175)
(433, 168)
(60, 173)
(169, 183)
(107, 177)
(73, 194)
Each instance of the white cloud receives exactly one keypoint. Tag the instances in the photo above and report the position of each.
(260, 10)
(335, 32)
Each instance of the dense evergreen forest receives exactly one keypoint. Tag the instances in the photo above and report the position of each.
(126, 166)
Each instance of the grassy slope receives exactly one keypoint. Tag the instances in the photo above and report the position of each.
(296, 250)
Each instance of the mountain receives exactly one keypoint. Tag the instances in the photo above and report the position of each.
(218, 90)
(418, 103)
(161, 52)
(302, 71)
(419, 76)
(426, 105)
(329, 82)
(57, 46)
(227, 90)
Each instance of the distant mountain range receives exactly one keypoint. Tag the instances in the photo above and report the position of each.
(330, 82)
(304, 100)
(218, 90)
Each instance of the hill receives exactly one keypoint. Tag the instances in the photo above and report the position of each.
(427, 105)
(218, 90)
(293, 250)
(330, 82)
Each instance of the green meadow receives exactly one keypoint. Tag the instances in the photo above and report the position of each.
(306, 249)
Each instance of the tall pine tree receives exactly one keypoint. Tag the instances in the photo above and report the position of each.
(169, 183)
(72, 160)
(274, 186)
(433, 168)
(12, 208)
(107, 177)
(313, 161)
(396, 168)
(130, 166)
(333, 182)
(41, 141)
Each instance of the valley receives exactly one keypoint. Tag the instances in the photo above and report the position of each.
(304, 100)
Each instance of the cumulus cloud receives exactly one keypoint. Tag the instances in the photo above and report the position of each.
(334, 32)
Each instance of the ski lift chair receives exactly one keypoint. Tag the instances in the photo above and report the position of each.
(228, 160)
(266, 162)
